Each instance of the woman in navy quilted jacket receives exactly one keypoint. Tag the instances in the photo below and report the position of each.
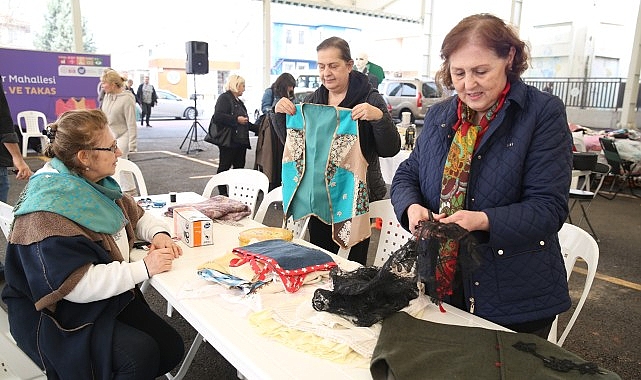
(496, 159)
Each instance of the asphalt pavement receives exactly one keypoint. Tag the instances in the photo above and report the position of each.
(606, 332)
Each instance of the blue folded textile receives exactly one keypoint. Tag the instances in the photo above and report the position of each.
(288, 255)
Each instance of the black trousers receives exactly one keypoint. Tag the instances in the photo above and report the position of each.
(230, 158)
(146, 112)
(320, 234)
(144, 345)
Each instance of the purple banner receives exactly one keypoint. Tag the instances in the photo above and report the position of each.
(51, 82)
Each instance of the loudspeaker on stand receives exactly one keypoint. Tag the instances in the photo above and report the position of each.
(197, 57)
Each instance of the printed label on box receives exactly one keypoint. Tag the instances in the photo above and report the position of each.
(193, 227)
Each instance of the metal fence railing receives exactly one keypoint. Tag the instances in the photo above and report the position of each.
(586, 92)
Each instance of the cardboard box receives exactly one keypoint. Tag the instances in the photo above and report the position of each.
(193, 227)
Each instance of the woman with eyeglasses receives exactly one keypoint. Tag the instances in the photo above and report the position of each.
(344, 87)
(73, 304)
(120, 107)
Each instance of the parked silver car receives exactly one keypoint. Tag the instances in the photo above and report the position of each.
(409, 95)
(172, 106)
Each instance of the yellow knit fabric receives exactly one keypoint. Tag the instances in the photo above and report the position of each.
(306, 341)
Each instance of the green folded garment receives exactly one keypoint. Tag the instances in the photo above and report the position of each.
(410, 348)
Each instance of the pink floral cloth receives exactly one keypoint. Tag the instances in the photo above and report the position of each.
(217, 207)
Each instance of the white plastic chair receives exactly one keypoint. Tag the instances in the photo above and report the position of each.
(392, 235)
(124, 166)
(576, 243)
(243, 185)
(32, 123)
(274, 196)
(6, 218)
(298, 227)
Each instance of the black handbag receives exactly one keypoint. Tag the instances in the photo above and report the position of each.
(219, 136)
(240, 136)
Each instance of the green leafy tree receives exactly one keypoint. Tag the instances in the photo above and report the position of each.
(57, 31)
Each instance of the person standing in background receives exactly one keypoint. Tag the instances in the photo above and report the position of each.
(120, 107)
(374, 72)
(10, 154)
(130, 87)
(377, 135)
(230, 112)
(269, 147)
(282, 86)
(147, 98)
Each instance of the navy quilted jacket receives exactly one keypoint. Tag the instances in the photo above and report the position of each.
(520, 176)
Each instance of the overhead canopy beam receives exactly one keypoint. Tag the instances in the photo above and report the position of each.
(350, 10)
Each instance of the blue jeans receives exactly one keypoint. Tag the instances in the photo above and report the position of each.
(144, 345)
(4, 193)
(4, 184)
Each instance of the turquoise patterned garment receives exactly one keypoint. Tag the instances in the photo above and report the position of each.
(324, 170)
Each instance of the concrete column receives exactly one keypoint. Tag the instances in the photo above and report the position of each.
(426, 61)
(515, 15)
(267, 43)
(77, 26)
(628, 112)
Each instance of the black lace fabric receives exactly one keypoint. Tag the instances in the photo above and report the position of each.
(369, 294)
(430, 236)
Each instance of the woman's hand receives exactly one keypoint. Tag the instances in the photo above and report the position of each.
(366, 111)
(158, 260)
(417, 213)
(285, 105)
(24, 172)
(470, 220)
(162, 240)
(242, 119)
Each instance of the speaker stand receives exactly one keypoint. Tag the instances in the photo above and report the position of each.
(192, 133)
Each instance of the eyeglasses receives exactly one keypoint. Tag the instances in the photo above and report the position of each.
(111, 149)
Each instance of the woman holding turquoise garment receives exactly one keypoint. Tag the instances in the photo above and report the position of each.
(71, 292)
(377, 135)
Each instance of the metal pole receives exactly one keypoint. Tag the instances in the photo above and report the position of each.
(628, 112)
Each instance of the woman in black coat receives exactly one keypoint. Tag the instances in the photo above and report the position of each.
(230, 112)
(378, 136)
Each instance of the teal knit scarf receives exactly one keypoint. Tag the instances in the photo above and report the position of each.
(89, 204)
